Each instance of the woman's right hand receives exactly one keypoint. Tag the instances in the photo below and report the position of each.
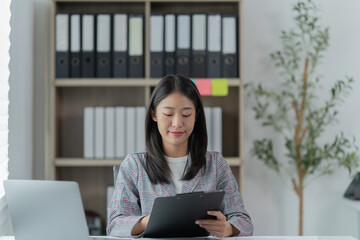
(140, 226)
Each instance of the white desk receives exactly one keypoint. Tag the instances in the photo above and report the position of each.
(251, 238)
(295, 238)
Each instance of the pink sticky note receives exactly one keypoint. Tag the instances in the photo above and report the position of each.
(204, 86)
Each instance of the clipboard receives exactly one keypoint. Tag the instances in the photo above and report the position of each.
(175, 216)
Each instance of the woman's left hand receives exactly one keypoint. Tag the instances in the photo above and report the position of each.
(218, 227)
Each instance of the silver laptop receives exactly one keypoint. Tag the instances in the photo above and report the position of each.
(43, 210)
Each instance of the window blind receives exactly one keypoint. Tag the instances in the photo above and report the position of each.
(5, 225)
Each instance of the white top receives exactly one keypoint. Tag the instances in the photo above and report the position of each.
(177, 166)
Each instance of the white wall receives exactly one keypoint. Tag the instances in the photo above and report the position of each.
(271, 202)
(42, 10)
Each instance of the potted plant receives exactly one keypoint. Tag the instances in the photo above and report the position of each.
(294, 111)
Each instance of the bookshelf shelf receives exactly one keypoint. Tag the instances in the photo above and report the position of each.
(67, 97)
(119, 82)
(82, 162)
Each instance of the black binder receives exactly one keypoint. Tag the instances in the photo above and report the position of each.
(157, 45)
(103, 36)
(183, 45)
(353, 190)
(169, 36)
(214, 46)
(120, 36)
(87, 46)
(136, 46)
(229, 46)
(62, 46)
(75, 63)
(198, 46)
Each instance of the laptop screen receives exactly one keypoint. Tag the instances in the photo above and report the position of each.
(46, 210)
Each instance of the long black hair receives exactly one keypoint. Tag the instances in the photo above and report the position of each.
(156, 165)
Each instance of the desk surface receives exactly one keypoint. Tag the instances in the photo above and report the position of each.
(244, 238)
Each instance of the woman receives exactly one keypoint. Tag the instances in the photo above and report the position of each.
(176, 161)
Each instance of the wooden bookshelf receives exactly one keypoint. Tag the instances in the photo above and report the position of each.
(66, 98)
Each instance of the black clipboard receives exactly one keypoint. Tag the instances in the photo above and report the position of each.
(175, 216)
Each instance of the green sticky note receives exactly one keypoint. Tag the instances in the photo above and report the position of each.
(194, 80)
(219, 87)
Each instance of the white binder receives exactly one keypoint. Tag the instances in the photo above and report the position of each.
(130, 127)
(217, 126)
(120, 137)
(62, 32)
(75, 33)
(99, 132)
(198, 46)
(169, 61)
(157, 45)
(103, 35)
(89, 132)
(214, 46)
(88, 32)
(209, 127)
(136, 48)
(75, 46)
(183, 45)
(229, 49)
(110, 132)
(87, 46)
(62, 45)
(120, 34)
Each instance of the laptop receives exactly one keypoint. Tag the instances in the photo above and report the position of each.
(43, 210)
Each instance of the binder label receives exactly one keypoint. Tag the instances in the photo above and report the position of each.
(156, 33)
(103, 33)
(62, 28)
(88, 33)
(120, 32)
(136, 36)
(75, 33)
(214, 33)
(183, 32)
(229, 35)
(170, 33)
(199, 32)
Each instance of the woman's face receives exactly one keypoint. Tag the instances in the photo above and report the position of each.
(175, 116)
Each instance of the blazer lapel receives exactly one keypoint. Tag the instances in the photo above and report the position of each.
(189, 185)
(168, 188)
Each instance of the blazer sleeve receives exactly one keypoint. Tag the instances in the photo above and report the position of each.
(124, 210)
(232, 206)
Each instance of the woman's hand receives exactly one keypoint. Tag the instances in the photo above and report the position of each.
(140, 226)
(219, 226)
